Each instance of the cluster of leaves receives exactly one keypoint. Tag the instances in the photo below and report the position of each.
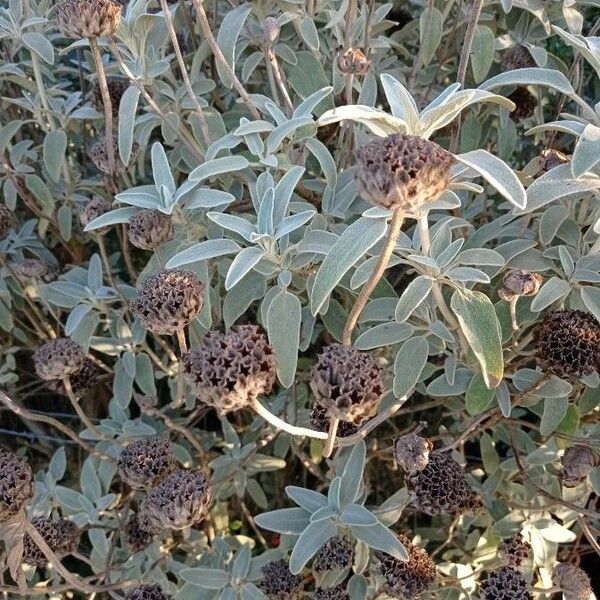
(249, 152)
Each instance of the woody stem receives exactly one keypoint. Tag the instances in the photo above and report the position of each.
(280, 424)
(331, 435)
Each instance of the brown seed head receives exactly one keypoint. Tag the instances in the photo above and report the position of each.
(412, 452)
(34, 268)
(516, 57)
(49, 530)
(168, 301)
(550, 159)
(573, 582)
(7, 220)
(94, 208)
(138, 533)
(146, 462)
(320, 421)
(347, 383)
(578, 462)
(88, 18)
(517, 282)
(69, 536)
(337, 553)
(117, 86)
(277, 581)
(98, 154)
(16, 484)
(354, 62)
(503, 584)
(525, 103)
(339, 592)
(230, 370)
(402, 171)
(58, 359)
(148, 592)
(81, 382)
(514, 551)
(148, 229)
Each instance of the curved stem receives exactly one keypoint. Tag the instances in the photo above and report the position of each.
(280, 424)
(331, 435)
(82, 416)
(380, 267)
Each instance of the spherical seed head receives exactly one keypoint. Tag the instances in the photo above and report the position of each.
(516, 57)
(573, 581)
(412, 452)
(148, 229)
(337, 553)
(168, 301)
(58, 359)
(517, 282)
(578, 462)
(353, 61)
(138, 533)
(148, 592)
(98, 154)
(117, 86)
(69, 536)
(550, 159)
(88, 18)
(514, 551)
(525, 103)
(81, 382)
(320, 421)
(406, 579)
(272, 30)
(181, 500)
(49, 530)
(568, 343)
(94, 208)
(230, 370)
(278, 582)
(339, 592)
(16, 484)
(347, 383)
(146, 462)
(505, 583)
(34, 268)
(402, 171)
(441, 487)
(7, 221)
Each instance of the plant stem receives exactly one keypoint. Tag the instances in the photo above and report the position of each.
(278, 76)
(380, 267)
(331, 435)
(280, 424)
(80, 413)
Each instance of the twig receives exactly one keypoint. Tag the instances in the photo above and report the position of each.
(280, 424)
(80, 413)
(331, 434)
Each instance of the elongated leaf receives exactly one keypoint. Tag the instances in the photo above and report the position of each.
(211, 579)
(587, 151)
(412, 297)
(55, 144)
(310, 500)
(430, 29)
(285, 520)
(216, 166)
(409, 364)
(482, 55)
(309, 543)
(380, 537)
(203, 251)
(378, 121)
(227, 38)
(120, 215)
(532, 76)
(242, 263)
(127, 110)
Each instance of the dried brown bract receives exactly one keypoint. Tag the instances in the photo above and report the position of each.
(503, 584)
(411, 452)
(16, 484)
(339, 592)
(7, 220)
(34, 268)
(277, 581)
(337, 553)
(573, 581)
(148, 229)
(518, 282)
(516, 57)
(98, 154)
(148, 592)
(138, 533)
(95, 207)
(117, 86)
(320, 421)
(525, 103)
(58, 359)
(578, 462)
(146, 462)
(88, 18)
(514, 551)
(354, 62)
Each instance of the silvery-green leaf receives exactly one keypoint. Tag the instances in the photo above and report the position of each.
(245, 260)
(120, 215)
(356, 239)
(161, 170)
(203, 251)
(37, 43)
(503, 399)
(284, 520)
(127, 109)
(412, 297)
(241, 564)
(587, 151)
(430, 33)
(383, 334)
(217, 166)
(227, 37)
(64, 216)
(468, 274)
(481, 256)
(555, 410)
(233, 223)
(479, 323)
(307, 499)
(144, 374)
(482, 55)
(264, 223)
(322, 154)
(351, 479)
(378, 121)
(251, 592)
(358, 516)
(212, 579)
(588, 47)
(144, 196)
(357, 587)
(564, 126)
(554, 289)
(307, 107)
(309, 34)
(280, 132)
(478, 396)
(381, 538)
(409, 364)
(401, 102)
(293, 222)
(75, 317)
(591, 299)
(206, 198)
(310, 541)
(55, 144)
(321, 514)
(530, 76)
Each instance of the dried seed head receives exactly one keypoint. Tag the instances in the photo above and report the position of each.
(230, 370)
(148, 229)
(573, 582)
(337, 553)
(58, 359)
(34, 268)
(98, 154)
(148, 592)
(339, 592)
(503, 584)
(16, 484)
(525, 103)
(406, 579)
(146, 462)
(514, 551)
(578, 462)
(138, 533)
(402, 171)
(441, 487)
(277, 581)
(517, 282)
(94, 208)
(412, 452)
(272, 30)
(81, 382)
(181, 500)
(69, 536)
(88, 18)
(550, 158)
(117, 86)
(347, 382)
(320, 421)
(49, 530)
(168, 301)
(7, 220)
(568, 343)
(353, 61)
(516, 57)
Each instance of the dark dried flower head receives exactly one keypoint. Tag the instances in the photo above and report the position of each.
(441, 487)
(339, 592)
(58, 359)
(353, 61)
(148, 229)
(98, 154)
(412, 452)
(148, 592)
(514, 551)
(573, 582)
(517, 282)
(16, 484)
(516, 57)
(578, 462)
(88, 18)
(181, 500)
(272, 30)
(406, 579)
(146, 462)
(568, 343)
(320, 421)
(69, 536)
(81, 382)
(277, 581)
(230, 370)
(7, 220)
(117, 86)
(49, 530)
(550, 158)
(168, 301)
(138, 533)
(402, 171)
(337, 553)
(34, 268)
(505, 583)
(94, 208)
(525, 103)
(347, 382)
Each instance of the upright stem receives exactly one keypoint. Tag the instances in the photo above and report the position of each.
(280, 424)
(107, 102)
(82, 416)
(279, 79)
(331, 435)
(380, 267)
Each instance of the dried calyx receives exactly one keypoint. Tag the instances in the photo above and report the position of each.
(573, 581)
(518, 283)
(402, 171)
(98, 154)
(148, 229)
(117, 86)
(34, 268)
(337, 553)
(503, 584)
(7, 220)
(88, 18)
(568, 343)
(411, 452)
(81, 381)
(138, 533)
(95, 207)
(148, 592)
(58, 359)
(230, 370)
(320, 421)
(578, 462)
(516, 57)
(347, 383)
(525, 103)
(146, 462)
(278, 582)
(16, 484)
(339, 592)
(61, 535)
(354, 62)
(550, 159)
(514, 551)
